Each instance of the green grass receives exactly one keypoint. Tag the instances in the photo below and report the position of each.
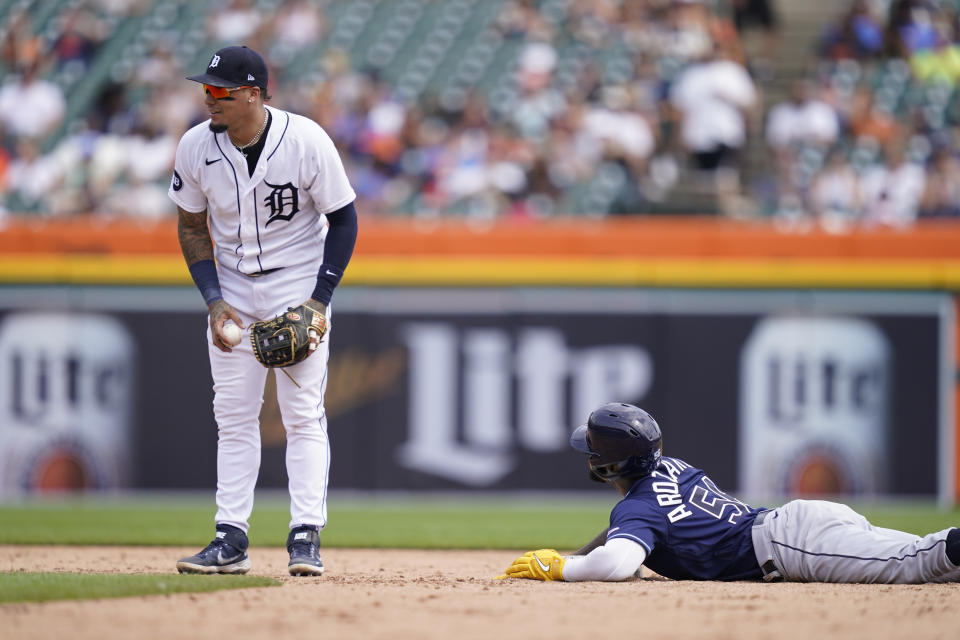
(920, 518)
(43, 587)
(427, 523)
(462, 522)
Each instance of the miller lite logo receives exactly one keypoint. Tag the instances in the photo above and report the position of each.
(215, 61)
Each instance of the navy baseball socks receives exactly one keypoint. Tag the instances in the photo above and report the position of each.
(227, 553)
(303, 545)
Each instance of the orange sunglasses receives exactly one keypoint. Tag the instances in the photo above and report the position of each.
(221, 93)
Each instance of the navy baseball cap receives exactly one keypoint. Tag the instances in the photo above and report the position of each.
(234, 67)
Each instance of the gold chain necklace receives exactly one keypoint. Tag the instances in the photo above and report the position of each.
(263, 126)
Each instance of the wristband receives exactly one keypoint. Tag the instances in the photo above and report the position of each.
(327, 279)
(204, 275)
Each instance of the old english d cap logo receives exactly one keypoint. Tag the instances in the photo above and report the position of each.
(234, 67)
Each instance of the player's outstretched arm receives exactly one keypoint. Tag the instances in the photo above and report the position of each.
(619, 559)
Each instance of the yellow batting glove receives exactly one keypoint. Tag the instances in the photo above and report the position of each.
(542, 564)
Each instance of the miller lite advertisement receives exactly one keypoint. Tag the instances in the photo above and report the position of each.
(774, 393)
(65, 410)
(814, 416)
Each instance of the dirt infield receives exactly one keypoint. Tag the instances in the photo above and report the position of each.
(372, 594)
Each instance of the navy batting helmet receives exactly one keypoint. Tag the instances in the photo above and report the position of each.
(622, 441)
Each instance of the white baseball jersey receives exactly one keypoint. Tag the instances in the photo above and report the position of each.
(272, 221)
(274, 217)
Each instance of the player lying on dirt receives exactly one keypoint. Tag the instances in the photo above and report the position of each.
(677, 522)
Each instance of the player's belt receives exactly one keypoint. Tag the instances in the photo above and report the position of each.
(257, 274)
(770, 572)
(769, 569)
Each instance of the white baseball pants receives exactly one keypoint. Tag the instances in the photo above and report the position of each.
(238, 384)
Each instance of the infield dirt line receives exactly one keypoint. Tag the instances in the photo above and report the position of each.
(390, 593)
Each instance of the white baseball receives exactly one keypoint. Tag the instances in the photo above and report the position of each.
(232, 334)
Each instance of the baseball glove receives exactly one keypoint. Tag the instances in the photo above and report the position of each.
(288, 338)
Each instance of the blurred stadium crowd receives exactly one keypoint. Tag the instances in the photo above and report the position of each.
(486, 108)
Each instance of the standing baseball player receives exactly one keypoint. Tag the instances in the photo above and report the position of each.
(266, 224)
(677, 522)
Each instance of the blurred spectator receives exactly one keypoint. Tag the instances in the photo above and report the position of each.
(236, 21)
(298, 24)
(835, 194)
(518, 180)
(685, 33)
(159, 67)
(804, 120)
(539, 100)
(595, 22)
(940, 63)
(754, 13)
(30, 106)
(71, 192)
(858, 34)
(868, 119)
(759, 14)
(80, 35)
(128, 172)
(618, 126)
(21, 46)
(941, 195)
(893, 190)
(110, 111)
(570, 157)
(591, 105)
(910, 28)
(519, 19)
(31, 177)
(713, 98)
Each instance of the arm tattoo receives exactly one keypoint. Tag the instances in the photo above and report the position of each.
(194, 236)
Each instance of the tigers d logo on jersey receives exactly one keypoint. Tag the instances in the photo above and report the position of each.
(283, 197)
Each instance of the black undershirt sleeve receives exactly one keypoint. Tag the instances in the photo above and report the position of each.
(337, 251)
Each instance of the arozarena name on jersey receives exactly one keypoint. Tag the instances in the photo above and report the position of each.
(705, 495)
(668, 491)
